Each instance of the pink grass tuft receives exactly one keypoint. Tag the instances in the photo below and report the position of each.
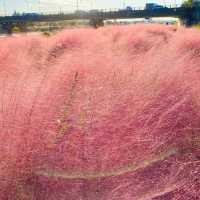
(106, 114)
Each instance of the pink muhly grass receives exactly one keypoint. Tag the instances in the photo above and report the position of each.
(106, 114)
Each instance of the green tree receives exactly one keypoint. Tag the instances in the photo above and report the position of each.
(187, 3)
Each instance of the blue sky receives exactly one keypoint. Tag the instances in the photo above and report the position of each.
(9, 6)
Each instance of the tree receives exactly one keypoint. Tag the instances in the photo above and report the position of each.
(187, 3)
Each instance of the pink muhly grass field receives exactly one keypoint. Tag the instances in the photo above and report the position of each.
(106, 114)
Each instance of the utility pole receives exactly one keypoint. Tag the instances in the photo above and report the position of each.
(124, 4)
(27, 5)
(4, 7)
(164, 2)
(77, 4)
(39, 6)
(92, 4)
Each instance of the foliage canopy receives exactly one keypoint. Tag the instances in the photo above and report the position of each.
(187, 3)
